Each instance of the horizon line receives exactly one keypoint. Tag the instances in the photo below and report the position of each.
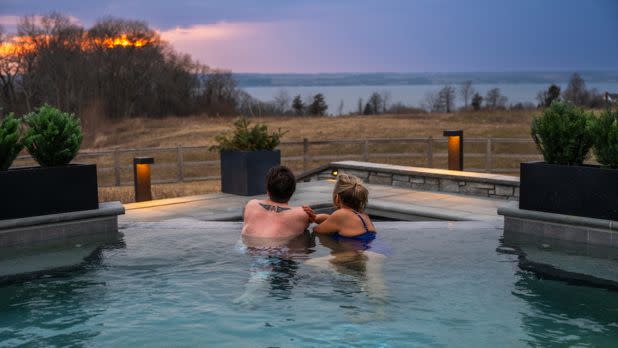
(614, 70)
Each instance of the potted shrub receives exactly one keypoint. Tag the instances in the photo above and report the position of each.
(563, 184)
(53, 138)
(10, 141)
(605, 133)
(246, 155)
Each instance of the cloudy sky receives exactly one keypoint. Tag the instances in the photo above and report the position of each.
(367, 35)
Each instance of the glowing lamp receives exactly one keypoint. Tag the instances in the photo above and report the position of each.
(455, 149)
(334, 172)
(141, 178)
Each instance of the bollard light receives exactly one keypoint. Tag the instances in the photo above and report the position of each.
(455, 149)
(141, 178)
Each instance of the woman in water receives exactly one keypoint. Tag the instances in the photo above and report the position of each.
(349, 220)
(349, 233)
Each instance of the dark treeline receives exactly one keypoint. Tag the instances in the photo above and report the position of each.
(117, 68)
(575, 93)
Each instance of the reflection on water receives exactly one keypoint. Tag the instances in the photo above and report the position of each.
(360, 270)
(586, 311)
(570, 316)
(23, 297)
(57, 257)
(576, 263)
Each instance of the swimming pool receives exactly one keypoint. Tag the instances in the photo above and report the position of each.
(186, 283)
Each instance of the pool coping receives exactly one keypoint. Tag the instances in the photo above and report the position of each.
(64, 226)
(105, 209)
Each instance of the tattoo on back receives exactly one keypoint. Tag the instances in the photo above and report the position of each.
(274, 208)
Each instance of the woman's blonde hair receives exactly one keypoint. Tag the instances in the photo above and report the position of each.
(351, 191)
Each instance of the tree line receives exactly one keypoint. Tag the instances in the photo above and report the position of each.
(575, 93)
(117, 68)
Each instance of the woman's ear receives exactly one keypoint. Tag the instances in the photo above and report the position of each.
(337, 201)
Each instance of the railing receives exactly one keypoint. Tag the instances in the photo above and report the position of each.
(193, 163)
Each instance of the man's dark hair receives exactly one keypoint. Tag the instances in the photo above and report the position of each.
(280, 183)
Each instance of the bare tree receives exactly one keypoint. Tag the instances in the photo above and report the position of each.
(282, 102)
(576, 92)
(432, 102)
(386, 99)
(9, 64)
(359, 106)
(447, 98)
(495, 100)
(340, 108)
(466, 91)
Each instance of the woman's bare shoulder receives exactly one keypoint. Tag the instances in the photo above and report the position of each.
(342, 214)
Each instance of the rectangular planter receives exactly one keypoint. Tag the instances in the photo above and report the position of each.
(34, 191)
(243, 172)
(586, 190)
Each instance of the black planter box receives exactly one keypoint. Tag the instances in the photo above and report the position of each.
(34, 191)
(586, 190)
(243, 172)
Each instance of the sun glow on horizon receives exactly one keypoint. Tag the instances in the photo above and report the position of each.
(18, 45)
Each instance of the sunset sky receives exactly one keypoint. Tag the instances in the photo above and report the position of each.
(367, 36)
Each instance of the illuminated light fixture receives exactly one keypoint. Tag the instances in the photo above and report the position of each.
(334, 172)
(455, 149)
(141, 178)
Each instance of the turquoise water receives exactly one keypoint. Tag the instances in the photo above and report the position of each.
(188, 283)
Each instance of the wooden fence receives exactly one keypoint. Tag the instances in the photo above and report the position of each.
(192, 163)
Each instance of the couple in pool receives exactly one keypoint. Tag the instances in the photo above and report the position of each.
(274, 218)
(275, 233)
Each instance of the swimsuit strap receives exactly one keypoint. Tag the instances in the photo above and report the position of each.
(362, 220)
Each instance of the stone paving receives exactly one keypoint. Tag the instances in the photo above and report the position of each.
(418, 205)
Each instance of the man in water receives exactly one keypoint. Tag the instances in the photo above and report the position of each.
(274, 217)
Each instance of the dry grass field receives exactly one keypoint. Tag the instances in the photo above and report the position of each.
(200, 131)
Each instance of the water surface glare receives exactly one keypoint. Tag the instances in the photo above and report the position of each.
(185, 283)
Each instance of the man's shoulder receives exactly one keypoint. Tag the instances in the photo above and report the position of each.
(253, 203)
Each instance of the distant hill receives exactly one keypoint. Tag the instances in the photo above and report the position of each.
(384, 79)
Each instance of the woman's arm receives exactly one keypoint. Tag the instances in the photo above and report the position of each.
(319, 218)
(313, 217)
(329, 225)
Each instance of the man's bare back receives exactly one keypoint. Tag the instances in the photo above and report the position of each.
(268, 219)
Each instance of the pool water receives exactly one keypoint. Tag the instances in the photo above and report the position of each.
(187, 283)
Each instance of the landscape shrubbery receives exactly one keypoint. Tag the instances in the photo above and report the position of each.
(246, 138)
(53, 137)
(605, 133)
(563, 133)
(10, 141)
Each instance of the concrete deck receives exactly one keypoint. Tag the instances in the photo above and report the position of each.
(405, 203)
